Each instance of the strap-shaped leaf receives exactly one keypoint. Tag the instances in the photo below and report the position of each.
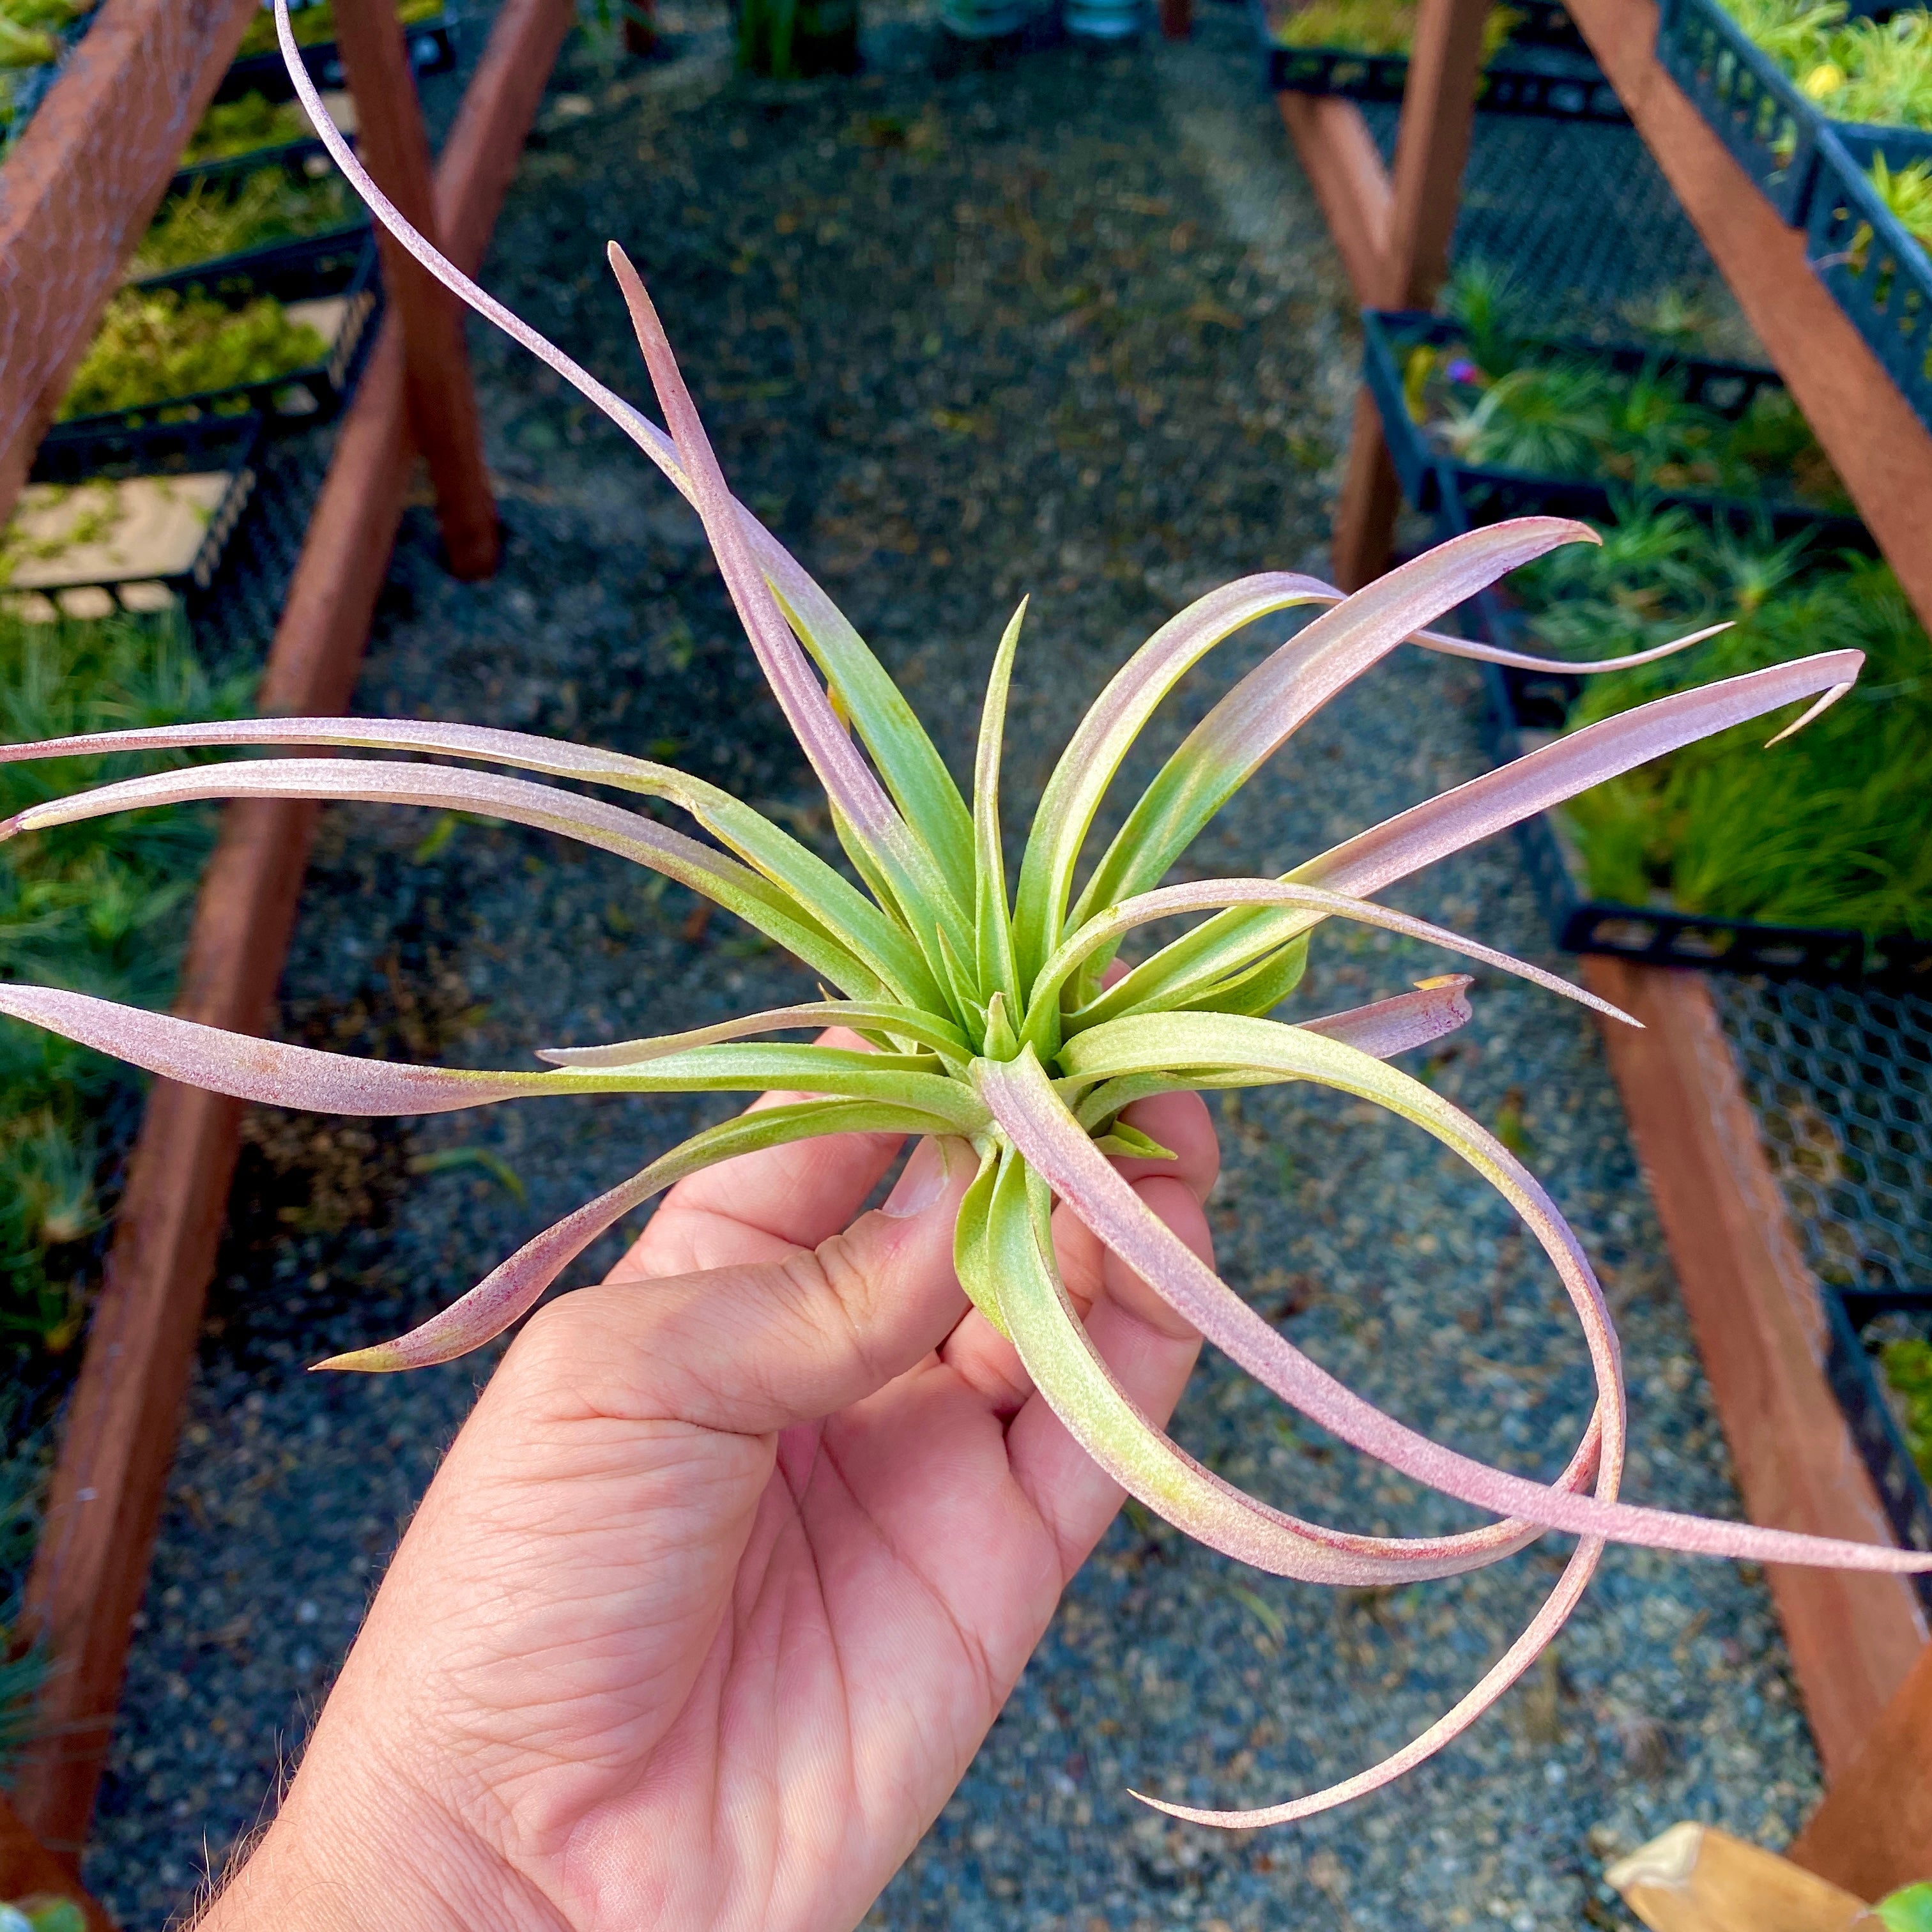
(1387, 1027)
(1032, 1116)
(1483, 807)
(1256, 718)
(1104, 736)
(910, 1023)
(1044, 1018)
(278, 1074)
(991, 917)
(914, 769)
(769, 908)
(972, 1252)
(1080, 1388)
(514, 1287)
(866, 931)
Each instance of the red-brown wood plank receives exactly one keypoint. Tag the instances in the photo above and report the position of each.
(1432, 150)
(1873, 1834)
(1339, 156)
(104, 1503)
(28, 1869)
(443, 421)
(1754, 1309)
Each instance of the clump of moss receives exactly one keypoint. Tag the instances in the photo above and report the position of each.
(210, 219)
(240, 126)
(156, 343)
(1908, 1368)
(316, 23)
(102, 908)
(1368, 26)
(1832, 829)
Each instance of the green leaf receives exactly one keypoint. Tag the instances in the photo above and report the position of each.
(992, 917)
(1910, 1910)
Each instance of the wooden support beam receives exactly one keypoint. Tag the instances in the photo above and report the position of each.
(1872, 1832)
(1875, 441)
(91, 1567)
(78, 190)
(1438, 108)
(28, 1869)
(1854, 1640)
(394, 145)
(1339, 156)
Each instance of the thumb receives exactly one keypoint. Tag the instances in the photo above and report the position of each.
(756, 1348)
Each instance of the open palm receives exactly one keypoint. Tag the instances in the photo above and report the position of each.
(725, 1580)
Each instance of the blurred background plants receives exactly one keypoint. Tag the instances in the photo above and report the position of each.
(1368, 26)
(1503, 401)
(211, 218)
(1833, 829)
(156, 343)
(99, 908)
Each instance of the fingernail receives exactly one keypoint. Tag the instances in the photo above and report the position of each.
(921, 1184)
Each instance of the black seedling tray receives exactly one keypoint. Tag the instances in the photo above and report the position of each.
(75, 453)
(431, 43)
(1855, 1376)
(1879, 276)
(296, 158)
(1554, 80)
(290, 272)
(1429, 475)
(1656, 935)
(1755, 108)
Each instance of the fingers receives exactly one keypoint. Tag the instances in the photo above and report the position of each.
(754, 1347)
(761, 1206)
(1151, 1351)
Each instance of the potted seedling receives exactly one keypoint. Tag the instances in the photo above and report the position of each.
(987, 1014)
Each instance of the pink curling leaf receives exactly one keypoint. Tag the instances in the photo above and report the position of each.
(513, 1287)
(1025, 1107)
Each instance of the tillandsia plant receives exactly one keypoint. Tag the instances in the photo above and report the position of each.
(990, 1016)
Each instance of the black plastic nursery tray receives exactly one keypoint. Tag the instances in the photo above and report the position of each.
(1553, 78)
(1878, 275)
(1429, 476)
(1526, 708)
(431, 44)
(158, 506)
(331, 277)
(1857, 1381)
(1752, 105)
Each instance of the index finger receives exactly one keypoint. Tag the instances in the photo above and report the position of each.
(761, 1207)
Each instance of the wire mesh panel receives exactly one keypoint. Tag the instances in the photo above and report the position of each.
(1841, 1081)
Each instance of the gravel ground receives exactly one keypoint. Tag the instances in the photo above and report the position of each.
(1067, 325)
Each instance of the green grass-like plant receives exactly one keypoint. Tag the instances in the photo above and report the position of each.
(97, 909)
(154, 344)
(211, 219)
(240, 126)
(983, 1005)
(1876, 72)
(1835, 831)
(1503, 401)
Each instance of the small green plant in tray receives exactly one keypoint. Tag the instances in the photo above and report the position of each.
(210, 220)
(1833, 829)
(102, 908)
(155, 345)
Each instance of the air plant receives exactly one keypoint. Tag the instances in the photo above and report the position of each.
(990, 1017)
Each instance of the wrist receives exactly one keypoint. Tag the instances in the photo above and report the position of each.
(373, 1855)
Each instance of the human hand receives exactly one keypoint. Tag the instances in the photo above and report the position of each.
(728, 1575)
